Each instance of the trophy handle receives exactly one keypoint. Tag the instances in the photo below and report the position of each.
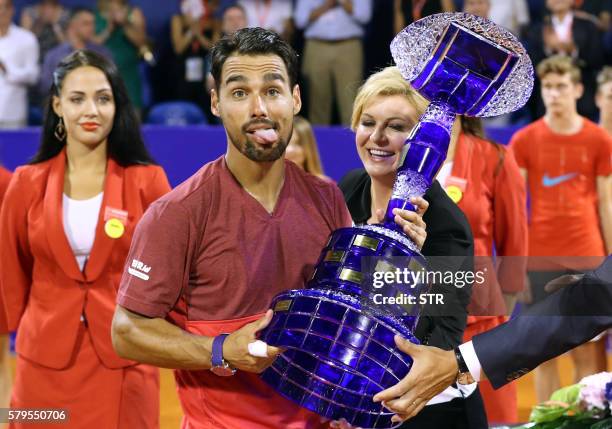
(422, 156)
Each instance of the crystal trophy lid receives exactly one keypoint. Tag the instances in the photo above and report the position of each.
(476, 66)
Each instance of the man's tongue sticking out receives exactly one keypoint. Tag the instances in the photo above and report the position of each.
(264, 136)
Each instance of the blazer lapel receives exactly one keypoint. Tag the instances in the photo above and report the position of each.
(103, 244)
(53, 214)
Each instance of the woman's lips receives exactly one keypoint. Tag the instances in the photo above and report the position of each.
(90, 126)
(380, 155)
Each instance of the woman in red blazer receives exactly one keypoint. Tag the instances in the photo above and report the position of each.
(66, 226)
(5, 371)
(483, 178)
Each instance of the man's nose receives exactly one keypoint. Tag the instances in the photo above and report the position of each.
(258, 106)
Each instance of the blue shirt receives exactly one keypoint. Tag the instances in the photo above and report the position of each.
(55, 56)
(335, 24)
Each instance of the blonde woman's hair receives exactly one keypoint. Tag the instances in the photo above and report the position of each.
(306, 139)
(387, 82)
(604, 76)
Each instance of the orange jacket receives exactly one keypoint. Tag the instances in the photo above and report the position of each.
(44, 291)
(494, 202)
(5, 178)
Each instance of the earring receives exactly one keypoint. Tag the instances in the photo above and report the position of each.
(60, 130)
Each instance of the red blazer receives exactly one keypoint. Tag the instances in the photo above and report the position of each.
(5, 178)
(44, 291)
(495, 204)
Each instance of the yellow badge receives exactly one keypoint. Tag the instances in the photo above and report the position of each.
(454, 193)
(114, 228)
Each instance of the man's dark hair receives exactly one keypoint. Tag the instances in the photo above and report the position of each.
(253, 41)
(79, 10)
(234, 6)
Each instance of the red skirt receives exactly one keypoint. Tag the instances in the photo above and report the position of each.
(95, 396)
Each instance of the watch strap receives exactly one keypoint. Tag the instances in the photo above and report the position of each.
(217, 350)
(463, 368)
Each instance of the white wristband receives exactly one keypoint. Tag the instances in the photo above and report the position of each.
(258, 349)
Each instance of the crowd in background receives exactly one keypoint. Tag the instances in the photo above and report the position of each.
(339, 43)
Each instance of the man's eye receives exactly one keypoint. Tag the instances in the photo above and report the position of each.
(273, 92)
(239, 93)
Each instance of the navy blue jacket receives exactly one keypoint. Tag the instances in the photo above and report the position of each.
(567, 318)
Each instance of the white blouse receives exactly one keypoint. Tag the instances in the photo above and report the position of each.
(80, 221)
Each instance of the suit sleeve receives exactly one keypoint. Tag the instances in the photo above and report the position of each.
(564, 320)
(16, 261)
(510, 225)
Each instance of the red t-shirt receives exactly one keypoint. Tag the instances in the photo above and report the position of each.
(210, 258)
(562, 172)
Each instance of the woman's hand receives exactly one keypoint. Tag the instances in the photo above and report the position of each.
(411, 222)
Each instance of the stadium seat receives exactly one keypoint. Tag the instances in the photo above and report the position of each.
(176, 113)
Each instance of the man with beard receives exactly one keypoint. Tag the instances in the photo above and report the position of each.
(207, 258)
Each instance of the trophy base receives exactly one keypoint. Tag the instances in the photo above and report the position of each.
(337, 357)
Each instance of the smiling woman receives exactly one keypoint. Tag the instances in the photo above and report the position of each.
(67, 222)
(385, 110)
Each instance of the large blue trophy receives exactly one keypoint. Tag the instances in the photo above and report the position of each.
(339, 345)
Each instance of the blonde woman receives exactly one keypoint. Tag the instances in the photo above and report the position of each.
(302, 149)
(385, 110)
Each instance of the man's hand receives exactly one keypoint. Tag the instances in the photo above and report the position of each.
(433, 371)
(341, 424)
(561, 282)
(235, 347)
(411, 222)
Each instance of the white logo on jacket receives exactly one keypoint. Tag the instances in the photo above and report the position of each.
(139, 269)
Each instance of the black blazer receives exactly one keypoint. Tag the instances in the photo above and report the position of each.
(448, 234)
(591, 57)
(564, 320)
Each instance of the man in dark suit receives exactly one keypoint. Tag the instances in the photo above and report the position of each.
(565, 31)
(567, 318)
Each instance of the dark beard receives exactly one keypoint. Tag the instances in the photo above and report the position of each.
(250, 149)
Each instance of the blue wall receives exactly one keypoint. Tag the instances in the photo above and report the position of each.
(183, 150)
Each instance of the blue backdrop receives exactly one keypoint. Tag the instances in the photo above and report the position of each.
(183, 150)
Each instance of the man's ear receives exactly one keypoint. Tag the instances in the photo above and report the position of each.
(57, 108)
(214, 103)
(579, 90)
(297, 100)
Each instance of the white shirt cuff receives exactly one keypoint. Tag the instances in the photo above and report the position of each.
(471, 360)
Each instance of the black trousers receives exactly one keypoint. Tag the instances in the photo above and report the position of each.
(460, 413)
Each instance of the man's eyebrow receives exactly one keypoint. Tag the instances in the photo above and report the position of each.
(235, 78)
(269, 77)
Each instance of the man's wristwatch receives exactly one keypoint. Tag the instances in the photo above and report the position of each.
(219, 366)
(463, 376)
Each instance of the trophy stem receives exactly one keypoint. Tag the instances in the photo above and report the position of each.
(423, 154)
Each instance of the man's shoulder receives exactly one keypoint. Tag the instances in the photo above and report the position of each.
(23, 35)
(195, 190)
(595, 131)
(530, 130)
(321, 185)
